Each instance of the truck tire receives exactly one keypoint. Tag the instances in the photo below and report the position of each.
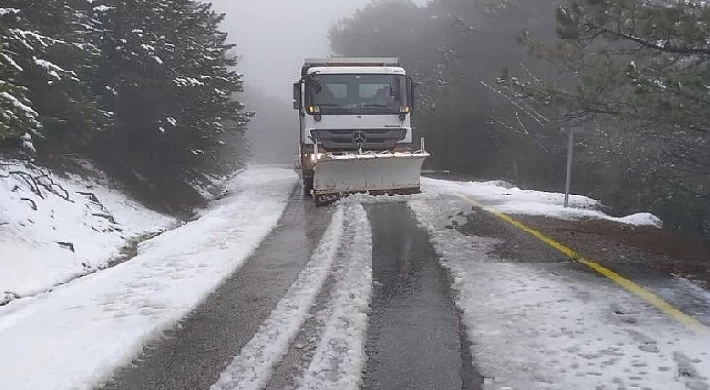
(307, 185)
(325, 200)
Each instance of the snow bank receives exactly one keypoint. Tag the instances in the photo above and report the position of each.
(77, 335)
(53, 229)
(509, 199)
(550, 326)
(640, 219)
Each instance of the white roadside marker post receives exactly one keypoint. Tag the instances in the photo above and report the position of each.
(570, 156)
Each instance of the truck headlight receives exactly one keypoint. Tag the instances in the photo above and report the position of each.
(316, 157)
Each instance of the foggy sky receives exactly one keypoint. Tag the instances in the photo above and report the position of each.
(274, 36)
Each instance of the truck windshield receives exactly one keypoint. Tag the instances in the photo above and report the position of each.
(371, 94)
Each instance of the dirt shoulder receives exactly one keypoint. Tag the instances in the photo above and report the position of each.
(617, 244)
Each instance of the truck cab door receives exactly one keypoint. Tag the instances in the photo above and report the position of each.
(297, 96)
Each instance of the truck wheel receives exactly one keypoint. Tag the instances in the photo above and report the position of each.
(325, 200)
(307, 185)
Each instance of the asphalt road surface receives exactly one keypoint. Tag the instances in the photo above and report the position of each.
(416, 334)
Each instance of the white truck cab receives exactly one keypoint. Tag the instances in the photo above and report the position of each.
(352, 106)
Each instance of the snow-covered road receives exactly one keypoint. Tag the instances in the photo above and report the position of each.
(371, 292)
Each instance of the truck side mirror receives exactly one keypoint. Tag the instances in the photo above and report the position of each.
(412, 87)
(297, 96)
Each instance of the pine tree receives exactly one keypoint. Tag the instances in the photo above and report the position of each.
(167, 75)
(17, 113)
(46, 47)
(655, 61)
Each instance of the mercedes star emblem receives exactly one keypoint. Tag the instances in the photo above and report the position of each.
(359, 137)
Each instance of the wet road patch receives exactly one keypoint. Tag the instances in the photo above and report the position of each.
(415, 338)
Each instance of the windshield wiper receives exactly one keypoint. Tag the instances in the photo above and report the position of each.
(373, 105)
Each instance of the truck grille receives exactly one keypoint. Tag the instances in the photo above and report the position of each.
(342, 139)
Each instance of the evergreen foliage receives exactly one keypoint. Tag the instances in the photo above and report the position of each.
(140, 85)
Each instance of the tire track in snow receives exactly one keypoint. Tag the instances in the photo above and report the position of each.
(253, 367)
(290, 371)
(340, 357)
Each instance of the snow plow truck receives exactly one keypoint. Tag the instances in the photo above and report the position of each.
(355, 117)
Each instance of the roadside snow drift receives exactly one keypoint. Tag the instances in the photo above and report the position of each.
(53, 229)
(77, 335)
(508, 199)
(549, 326)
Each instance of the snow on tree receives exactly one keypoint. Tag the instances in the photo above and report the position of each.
(44, 50)
(146, 88)
(167, 74)
(17, 114)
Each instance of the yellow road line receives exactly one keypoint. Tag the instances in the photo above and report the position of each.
(627, 284)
